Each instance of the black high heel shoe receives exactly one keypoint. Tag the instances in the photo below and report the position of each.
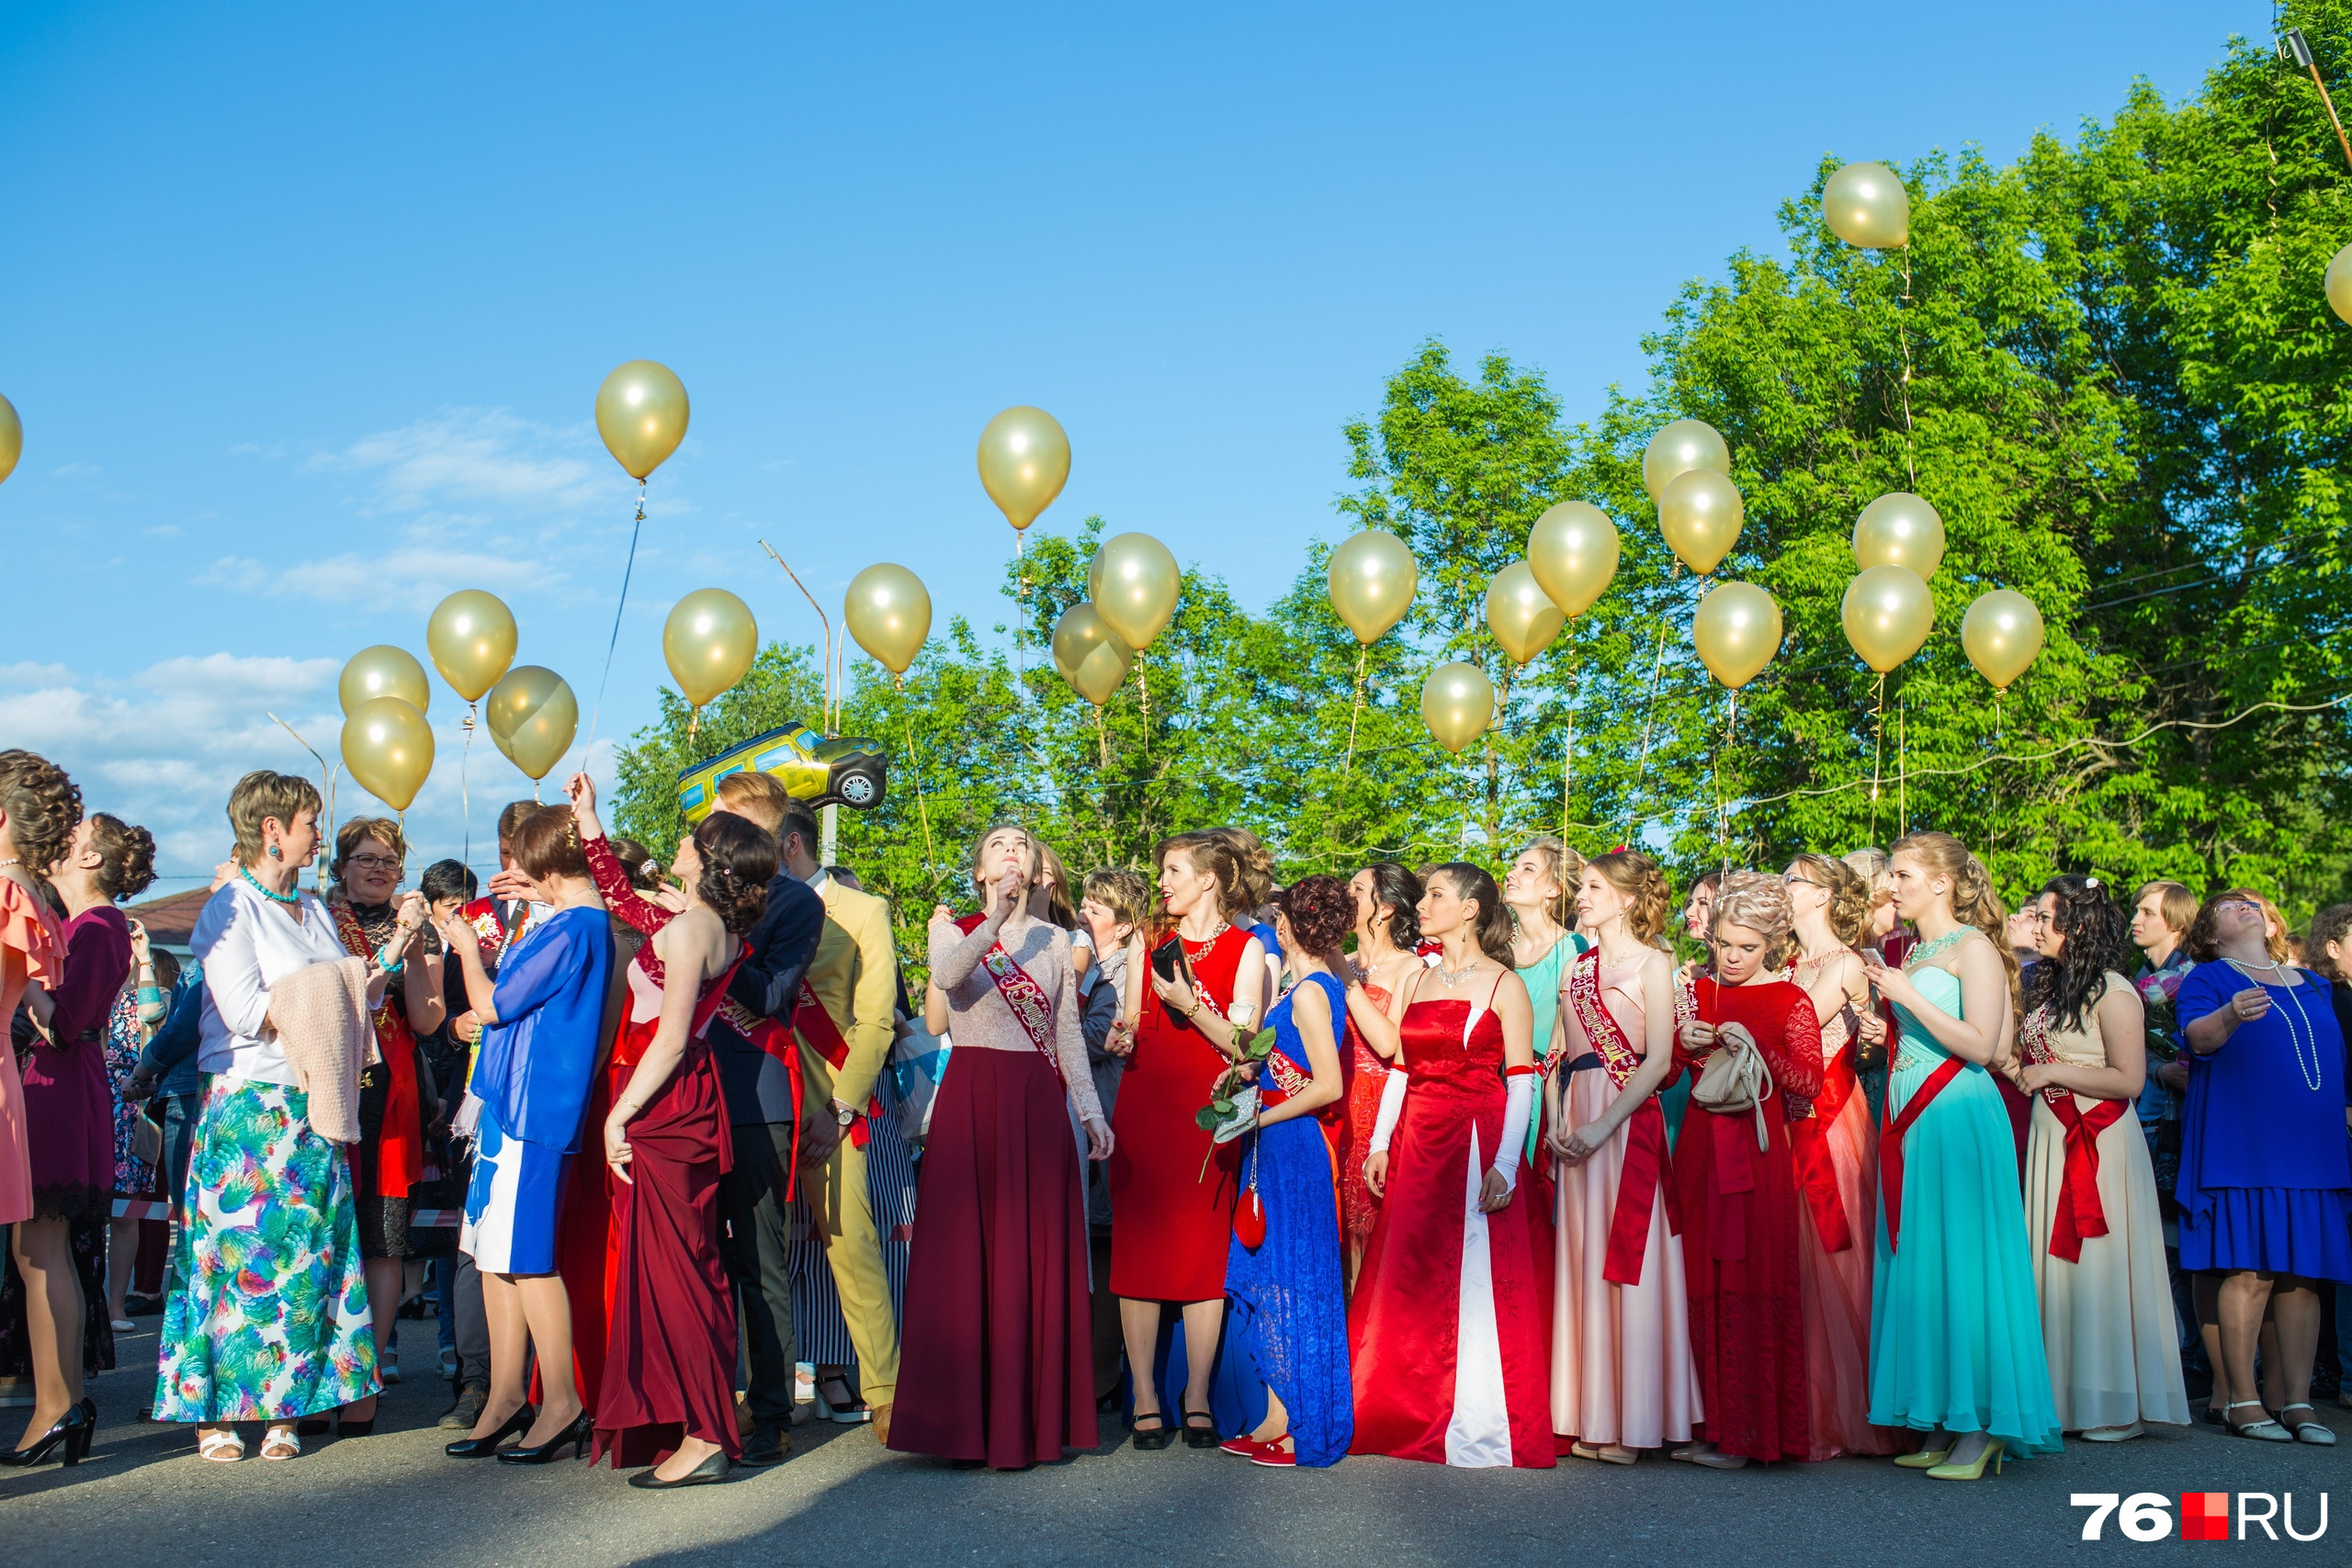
(582, 1427)
(1152, 1439)
(1203, 1435)
(73, 1431)
(483, 1448)
(716, 1468)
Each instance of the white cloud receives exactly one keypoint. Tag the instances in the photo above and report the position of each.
(473, 457)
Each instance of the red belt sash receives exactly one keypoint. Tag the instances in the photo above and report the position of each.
(1809, 1141)
(400, 1147)
(1890, 1146)
(1647, 1170)
(2079, 1214)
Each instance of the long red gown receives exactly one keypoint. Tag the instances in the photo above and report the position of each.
(1169, 1219)
(1367, 1077)
(1739, 1226)
(1448, 1343)
(668, 1366)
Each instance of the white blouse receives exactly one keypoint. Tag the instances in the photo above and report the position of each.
(247, 943)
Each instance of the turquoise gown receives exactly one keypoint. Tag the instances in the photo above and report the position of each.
(1955, 1327)
(1544, 978)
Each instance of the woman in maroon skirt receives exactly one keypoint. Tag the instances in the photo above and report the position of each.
(666, 1396)
(999, 1345)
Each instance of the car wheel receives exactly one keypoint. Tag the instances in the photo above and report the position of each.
(857, 790)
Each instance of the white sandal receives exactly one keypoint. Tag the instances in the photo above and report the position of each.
(223, 1446)
(2265, 1430)
(2324, 1437)
(281, 1443)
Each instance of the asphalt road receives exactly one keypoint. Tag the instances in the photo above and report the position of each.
(393, 1499)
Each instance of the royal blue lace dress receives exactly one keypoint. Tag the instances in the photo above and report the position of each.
(1287, 1301)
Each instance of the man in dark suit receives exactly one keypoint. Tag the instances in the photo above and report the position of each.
(759, 1104)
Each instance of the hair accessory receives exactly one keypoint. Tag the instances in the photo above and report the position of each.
(2091, 882)
(1622, 849)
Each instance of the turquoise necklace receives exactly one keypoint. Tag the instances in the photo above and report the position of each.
(254, 883)
(1928, 950)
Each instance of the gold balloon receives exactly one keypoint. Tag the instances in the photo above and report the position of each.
(1457, 704)
(1888, 613)
(641, 414)
(1519, 613)
(1089, 653)
(1572, 550)
(12, 435)
(1024, 462)
(1867, 206)
(1700, 517)
(533, 716)
(1372, 579)
(710, 641)
(2339, 299)
(1134, 584)
(888, 611)
(471, 637)
(1736, 631)
(1899, 529)
(388, 747)
(2002, 633)
(1682, 445)
(384, 670)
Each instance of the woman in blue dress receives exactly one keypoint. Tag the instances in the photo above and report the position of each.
(2266, 1181)
(542, 1021)
(1287, 1302)
(1956, 1347)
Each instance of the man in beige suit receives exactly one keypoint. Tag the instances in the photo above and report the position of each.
(845, 1042)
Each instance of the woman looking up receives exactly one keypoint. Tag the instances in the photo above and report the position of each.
(1956, 1346)
(540, 1020)
(1740, 1204)
(1387, 930)
(2265, 1184)
(2108, 1323)
(1540, 888)
(1169, 1222)
(1444, 1330)
(1285, 1289)
(1837, 1158)
(1621, 1375)
(999, 1344)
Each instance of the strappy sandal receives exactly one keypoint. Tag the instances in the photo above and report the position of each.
(2309, 1431)
(223, 1446)
(279, 1444)
(2265, 1430)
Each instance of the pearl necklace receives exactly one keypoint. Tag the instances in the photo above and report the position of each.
(2311, 1073)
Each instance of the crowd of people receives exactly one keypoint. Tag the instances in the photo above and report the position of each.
(1412, 1163)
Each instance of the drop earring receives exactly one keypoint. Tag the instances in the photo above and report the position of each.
(277, 853)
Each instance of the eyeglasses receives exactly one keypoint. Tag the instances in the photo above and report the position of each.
(2237, 904)
(374, 863)
(1791, 879)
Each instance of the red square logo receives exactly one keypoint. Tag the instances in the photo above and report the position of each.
(2204, 1516)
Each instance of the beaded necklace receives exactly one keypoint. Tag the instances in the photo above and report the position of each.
(256, 884)
(2310, 1073)
(1926, 950)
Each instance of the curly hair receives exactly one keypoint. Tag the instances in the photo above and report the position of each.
(262, 797)
(1398, 891)
(1564, 867)
(1759, 903)
(1239, 889)
(2097, 934)
(1973, 902)
(126, 856)
(357, 830)
(1472, 884)
(644, 870)
(738, 860)
(1636, 876)
(2203, 941)
(2331, 924)
(1849, 895)
(1255, 883)
(1321, 911)
(44, 806)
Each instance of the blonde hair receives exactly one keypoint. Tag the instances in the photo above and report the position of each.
(1242, 883)
(261, 795)
(1564, 867)
(1973, 902)
(2178, 906)
(758, 796)
(1849, 895)
(1869, 864)
(1636, 876)
(1761, 904)
(2201, 938)
(1060, 908)
(1123, 892)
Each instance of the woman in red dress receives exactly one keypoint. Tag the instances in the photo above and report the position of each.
(1171, 1190)
(1387, 930)
(1739, 1205)
(1446, 1340)
(667, 1393)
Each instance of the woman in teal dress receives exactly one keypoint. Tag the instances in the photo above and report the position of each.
(1956, 1347)
(1537, 889)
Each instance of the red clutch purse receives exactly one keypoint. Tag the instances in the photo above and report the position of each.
(1249, 1214)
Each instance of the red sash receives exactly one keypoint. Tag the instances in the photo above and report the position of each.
(1031, 1007)
(1645, 1170)
(817, 1027)
(2080, 1214)
(1809, 1142)
(1890, 1145)
(399, 1148)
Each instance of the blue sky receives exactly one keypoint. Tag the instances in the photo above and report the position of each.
(305, 307)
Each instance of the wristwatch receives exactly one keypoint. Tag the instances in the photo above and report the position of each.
(843, 1114)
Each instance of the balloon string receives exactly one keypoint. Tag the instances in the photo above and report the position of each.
(465, 798)
(1364, 652)
(1903, 768)
(1903, 335)
(1722, 812)
(929, 858)
(1568, 758)
(627, 569)
(1878, 759)
(1642, 768)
